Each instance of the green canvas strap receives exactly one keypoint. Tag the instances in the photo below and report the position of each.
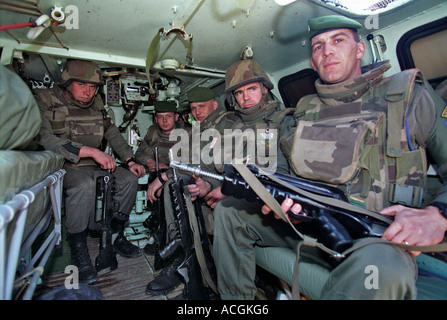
(268, 199)
(153, 49)
(150, 56)
(395, 98)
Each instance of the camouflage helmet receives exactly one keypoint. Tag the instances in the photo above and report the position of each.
(78, 70)
(244, 72)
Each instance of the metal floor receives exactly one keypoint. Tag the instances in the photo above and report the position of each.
(127, 282)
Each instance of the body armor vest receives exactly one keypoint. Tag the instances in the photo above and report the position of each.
(353, 135)
(83, 125)
(265, 125)
(161, 141)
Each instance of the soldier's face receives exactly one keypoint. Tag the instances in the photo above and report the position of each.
(249, 95)
(166, 121)
(336, 55)
(201, 110)
(82, 91)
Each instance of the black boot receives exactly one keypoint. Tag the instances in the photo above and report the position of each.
(121, 245)
(81, 258)
(167, 280)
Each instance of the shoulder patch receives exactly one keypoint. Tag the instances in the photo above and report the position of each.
(444, 113)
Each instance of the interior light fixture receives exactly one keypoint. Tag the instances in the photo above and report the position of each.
(284, 2)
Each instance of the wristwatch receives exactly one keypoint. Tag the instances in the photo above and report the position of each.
(130, 160)
(441, 206)
(160, 178)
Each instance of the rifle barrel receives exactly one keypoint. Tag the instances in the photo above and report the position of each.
(195, 170)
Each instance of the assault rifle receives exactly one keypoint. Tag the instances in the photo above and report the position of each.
(106, 259)
(334, 227)
(190, 268)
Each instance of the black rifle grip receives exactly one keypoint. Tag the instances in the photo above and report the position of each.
(331, 232)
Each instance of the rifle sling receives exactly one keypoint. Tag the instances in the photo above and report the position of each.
(268, 199)
(263, 193)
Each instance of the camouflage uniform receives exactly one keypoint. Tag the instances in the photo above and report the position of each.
(217, 120)
(390, 163)
(67, 125)
(233, 215)
(400, 119)
(266, 119)
(154, 138)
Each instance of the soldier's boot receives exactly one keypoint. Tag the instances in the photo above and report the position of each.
(167, 280)
(121, 245)
(81, 258)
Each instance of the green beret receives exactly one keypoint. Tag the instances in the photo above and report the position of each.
(200, 94)
(165, 106)
(327, 23)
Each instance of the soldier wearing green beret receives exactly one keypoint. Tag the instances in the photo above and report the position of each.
(405, 119)
(207, 115)
(157, 136)
(74, 124)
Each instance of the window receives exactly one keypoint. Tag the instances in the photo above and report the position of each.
(425, 48)
(295, 86)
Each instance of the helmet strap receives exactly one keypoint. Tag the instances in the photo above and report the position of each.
(264, 100)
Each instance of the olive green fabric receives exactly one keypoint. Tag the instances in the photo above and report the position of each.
(65, 123)
(20, 170)
(165, 106)
(20, 119)
(326, 23)
(79, 70)
(242, 73)
(200, 94)
(389, 164)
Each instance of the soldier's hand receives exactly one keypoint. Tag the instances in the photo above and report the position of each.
(415, 226)
(214, 196)
(154, 190)
(287, 205)
(104, 160)
(137, 169)
(199, 189)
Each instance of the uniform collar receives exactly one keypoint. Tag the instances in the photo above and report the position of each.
(261, 114)
(351, 90)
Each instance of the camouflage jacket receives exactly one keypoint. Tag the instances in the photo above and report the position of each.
(67, 127)
(369, 136)
(155, 138)
(269, 124)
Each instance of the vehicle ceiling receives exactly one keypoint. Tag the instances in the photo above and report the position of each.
(118, 32)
